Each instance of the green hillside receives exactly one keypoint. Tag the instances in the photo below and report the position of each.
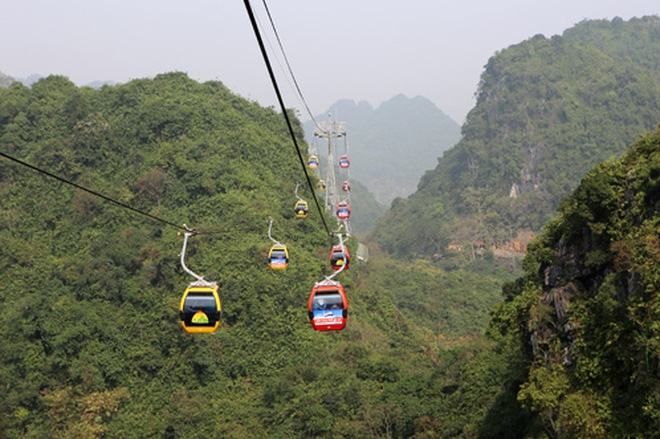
(438, 344)
(573, 349)
(367, 209)
(548, 109)
(450, 303)
(89, 340)
(90, 293)
(585, 315)
(392, 145)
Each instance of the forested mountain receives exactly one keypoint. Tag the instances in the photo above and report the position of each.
(5, 81)
(573, 350)
(392, 145)
(90, 293)
(89, 340)
(90, 345)
(548, 109)
(584, 318)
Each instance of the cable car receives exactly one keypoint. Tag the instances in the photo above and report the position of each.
(337, 255)
(301, 209)
(200, 309)
(346, 186)
(321, 185)
(327, 306)
(344, 162)
(343, 210)
(278, 257)
(313, 162)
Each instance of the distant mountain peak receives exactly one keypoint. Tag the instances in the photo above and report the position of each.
(398, 97)
(28, 81)
(347, 105)
(6, 80)
(411, 105)
(393, 144)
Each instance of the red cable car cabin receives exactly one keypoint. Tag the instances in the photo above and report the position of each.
(344, 162)
(343, 210)
(327, 306)
(337, 254)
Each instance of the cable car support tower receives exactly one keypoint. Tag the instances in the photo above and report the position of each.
(330, 130)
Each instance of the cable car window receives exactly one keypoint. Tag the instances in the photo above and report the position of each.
(337, 258)
(200, 301)
(328, 301)
(200, 310)
(278, 254)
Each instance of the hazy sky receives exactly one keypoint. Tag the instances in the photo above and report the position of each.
(360, 49)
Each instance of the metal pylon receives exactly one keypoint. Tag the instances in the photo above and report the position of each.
(330, 130)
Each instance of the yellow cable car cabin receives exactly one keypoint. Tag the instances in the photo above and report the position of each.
(301, 208)
(278, 257)
(200, 309)
(321, 186)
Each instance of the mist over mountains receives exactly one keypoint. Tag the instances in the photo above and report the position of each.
(5, 80)
(393, 144)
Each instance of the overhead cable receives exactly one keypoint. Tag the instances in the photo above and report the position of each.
(257, 34)
(95, 193)
(288, 65)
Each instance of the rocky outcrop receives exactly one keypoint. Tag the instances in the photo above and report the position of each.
(591, 304)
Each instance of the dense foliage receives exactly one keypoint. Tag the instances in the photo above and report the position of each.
(89, 293)
(585, 315)
(451, 303)
(392, 145)
(89, 340)
(548, 110)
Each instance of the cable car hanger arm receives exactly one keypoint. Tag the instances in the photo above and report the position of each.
(188, 233)
(296, 192)
(270, 229)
